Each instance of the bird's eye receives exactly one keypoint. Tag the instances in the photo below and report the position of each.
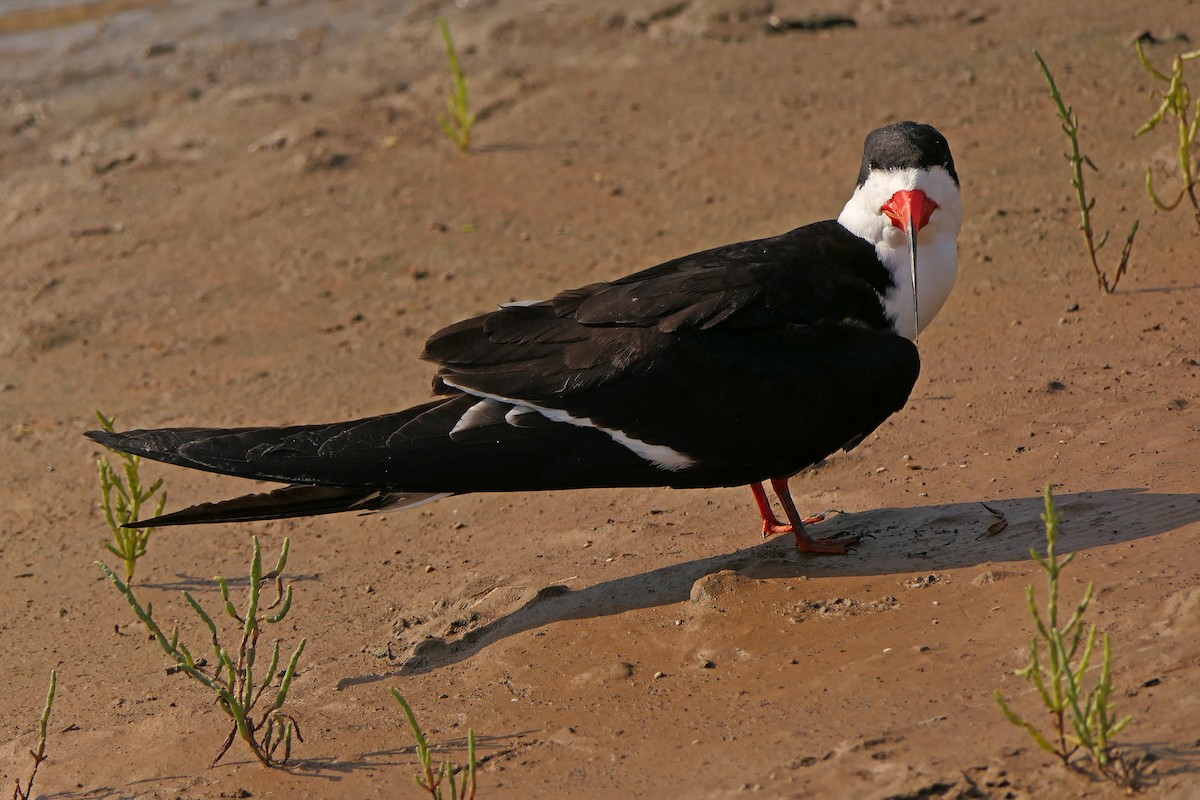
(872, 164)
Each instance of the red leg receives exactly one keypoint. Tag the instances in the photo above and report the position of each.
(770, 525)
(804, 542)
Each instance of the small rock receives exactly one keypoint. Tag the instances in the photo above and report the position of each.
(619, 671)
(103, 166)
(276, 140)
(159, 49)
(320, 159)
(811, 23)
(990, 576)
(707, 589)
(921, 581)
(98, 230)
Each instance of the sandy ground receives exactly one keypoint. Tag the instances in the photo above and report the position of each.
(240, 213)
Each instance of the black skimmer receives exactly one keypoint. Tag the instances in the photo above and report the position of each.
(737, 365)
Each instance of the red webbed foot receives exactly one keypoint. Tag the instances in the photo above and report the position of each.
(831, 545)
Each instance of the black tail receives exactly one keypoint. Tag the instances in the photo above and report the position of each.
(452, 445)
(345, 454)
(290, 501)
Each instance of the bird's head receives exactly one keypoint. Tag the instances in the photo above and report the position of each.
(907, 194)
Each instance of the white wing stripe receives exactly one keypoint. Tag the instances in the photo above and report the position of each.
(658, 454)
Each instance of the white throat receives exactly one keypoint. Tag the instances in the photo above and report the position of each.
(937, 249)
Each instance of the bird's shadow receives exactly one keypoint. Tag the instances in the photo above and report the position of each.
(194, 584)
(919, 539)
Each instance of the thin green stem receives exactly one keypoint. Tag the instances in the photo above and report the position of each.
(122, 499)
(1081, 719)
(39, 753)
(1176, 103)
(1070, 126)
(233, 679)
(431, 780)
(458, 124)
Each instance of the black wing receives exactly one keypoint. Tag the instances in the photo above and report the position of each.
(422, 450)
(750, 361)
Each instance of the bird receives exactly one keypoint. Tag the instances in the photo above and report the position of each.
(738, 365)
